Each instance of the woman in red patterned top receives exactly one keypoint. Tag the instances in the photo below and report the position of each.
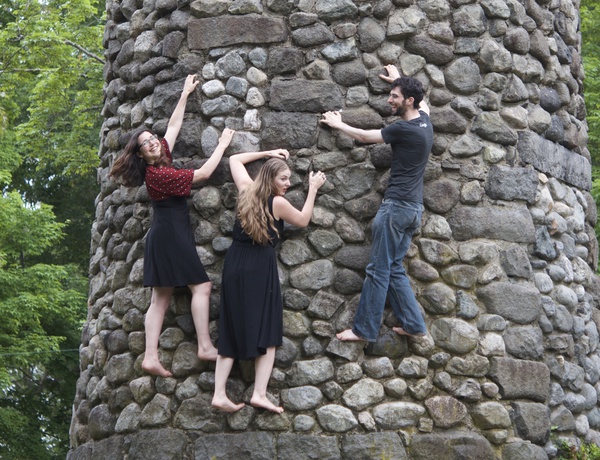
(170, 256)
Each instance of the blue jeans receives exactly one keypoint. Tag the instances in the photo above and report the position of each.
(392, 232)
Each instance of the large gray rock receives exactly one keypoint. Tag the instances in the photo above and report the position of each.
(490, 415)
(446, 411)
(290, 130)
(463, 76)
(523, 451)
(294, 446)
(520, 379)
(509, 184)
(556, 160)
(312, 35)
(512, 223)
(532, 421)
(451, 445)
(454, 335)
(161, 443)
(310, 372)
(213, 32)
(373, 445)
(305, 96)
(520, 303)
(301, 398)
(314, 275)
(363, 394)
(524, 342)
(251, 445)
(434, 51)
(490, 126)
(101, 422)
(395, 415)
(335, 418)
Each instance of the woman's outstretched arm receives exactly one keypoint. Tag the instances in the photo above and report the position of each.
(206, 170)
(283, 209)
(176, 119)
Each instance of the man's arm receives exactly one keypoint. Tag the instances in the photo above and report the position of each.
(366, 136)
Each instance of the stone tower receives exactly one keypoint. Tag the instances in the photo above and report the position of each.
(503, 265)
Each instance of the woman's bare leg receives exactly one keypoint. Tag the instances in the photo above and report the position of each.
(220, 399)
(262, 368)
(200, 314)
(161, 297)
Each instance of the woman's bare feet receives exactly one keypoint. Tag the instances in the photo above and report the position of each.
(398, 330)
(264, 403)
(226, 405)
(349, 336)
(154, 367)
(208, 353)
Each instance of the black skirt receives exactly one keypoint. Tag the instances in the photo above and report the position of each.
(251, 316)
(170, 256)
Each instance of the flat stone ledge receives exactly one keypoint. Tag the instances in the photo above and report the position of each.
(555, 160)
(521, 379)
(221, 31)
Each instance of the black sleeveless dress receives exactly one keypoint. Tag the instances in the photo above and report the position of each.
(170, 257)
(251, 316)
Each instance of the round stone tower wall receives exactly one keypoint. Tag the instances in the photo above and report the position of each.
(503, 265)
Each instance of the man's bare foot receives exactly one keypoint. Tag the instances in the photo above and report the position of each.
(349, 336)
(226, 405)
(154, 367)
(398, 330)
(208, 354)
(264, 403)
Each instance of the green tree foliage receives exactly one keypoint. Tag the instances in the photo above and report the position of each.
(590, 32)
(42, 307)
(585, 451)
(51, 77)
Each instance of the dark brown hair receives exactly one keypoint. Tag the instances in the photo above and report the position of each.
(130, 168)
(410, 87)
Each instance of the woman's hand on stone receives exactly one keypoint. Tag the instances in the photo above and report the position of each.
(317, 179)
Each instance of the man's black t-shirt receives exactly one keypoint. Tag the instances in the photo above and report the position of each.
(411, 143)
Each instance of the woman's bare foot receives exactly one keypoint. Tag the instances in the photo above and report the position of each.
(398, 330)
(226, 405)
(154, 367)
(208, 354)
(264, 403)
(349, 336)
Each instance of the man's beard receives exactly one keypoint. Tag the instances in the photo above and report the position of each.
(400, 111)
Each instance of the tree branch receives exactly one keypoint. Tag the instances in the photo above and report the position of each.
(84, 51)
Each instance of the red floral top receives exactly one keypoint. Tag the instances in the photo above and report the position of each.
(165, 182)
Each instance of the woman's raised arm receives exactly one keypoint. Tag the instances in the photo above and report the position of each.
(238, 169)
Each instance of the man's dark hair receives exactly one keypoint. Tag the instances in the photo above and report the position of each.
(410, 87)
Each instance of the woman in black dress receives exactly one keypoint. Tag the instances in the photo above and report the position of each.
(251, 316)
(170, 257)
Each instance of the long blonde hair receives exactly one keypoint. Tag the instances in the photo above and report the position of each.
(253, 202)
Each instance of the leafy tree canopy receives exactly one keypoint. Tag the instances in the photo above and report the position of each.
(590, 31)
(590, 49)
(51, 80)
(50, 101)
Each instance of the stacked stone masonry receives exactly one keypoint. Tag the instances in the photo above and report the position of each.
(503, 265)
